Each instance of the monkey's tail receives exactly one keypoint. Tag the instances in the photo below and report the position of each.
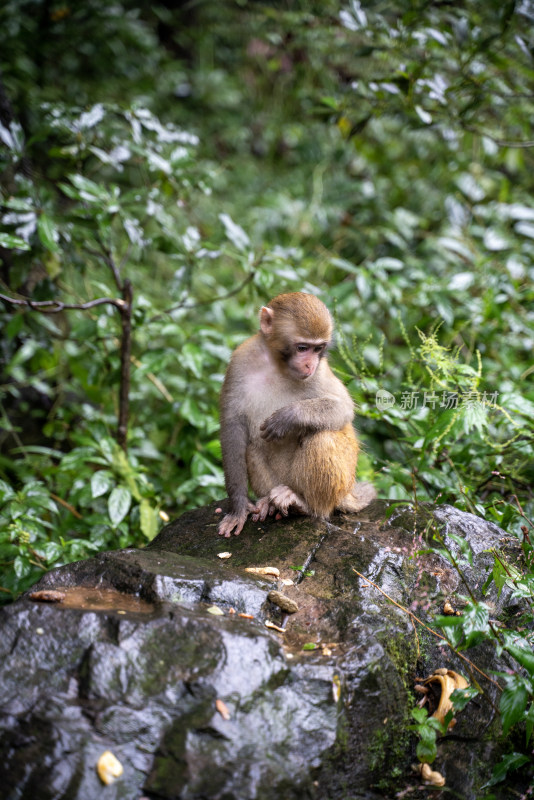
(360, 496)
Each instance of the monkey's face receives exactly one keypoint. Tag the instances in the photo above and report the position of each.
(304, 357)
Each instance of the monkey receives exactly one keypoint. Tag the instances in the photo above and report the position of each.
(286, 420)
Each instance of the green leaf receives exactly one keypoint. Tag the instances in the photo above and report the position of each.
(6, 492)
(30, 526)
(475, 619)
(192, 358)
(499, 575)
(447, 621)
(427, 750)
(77, 459)
(346, 266)
(101, 482)
(445, 420)
(465, 549)
(235, 232)
(310, 646)
(529, 722)
(11, 242)
(119, 504)
(507, 764)
(331, 102)
(48, 233)
(18, 204)
(461, 697)
(88, 190)
(14, 326)
(148, 519)
(190, 411)
(474, 415)
(419, 714)
(52, 551)
(513, 703)
(22, 566)
(388, 263)
(427, 731)
(40, 497)
(522, 656)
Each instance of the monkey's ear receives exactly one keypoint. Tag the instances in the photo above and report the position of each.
(266, 320)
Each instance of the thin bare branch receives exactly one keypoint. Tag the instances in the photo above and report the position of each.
(110, 261)
(160, 386)
(107, 255)
(55, 306)
(126, 354)
(185, 305)
(500, 142)
(66, 505)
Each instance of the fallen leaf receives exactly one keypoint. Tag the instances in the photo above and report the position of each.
(47, 596)
(283, 601)
(336, 688)
(274, 627)
(222, 708)
(268, 571)
(108, 767)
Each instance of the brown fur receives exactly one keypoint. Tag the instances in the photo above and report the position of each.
(324, 468)
(302, 316)
(287, 432)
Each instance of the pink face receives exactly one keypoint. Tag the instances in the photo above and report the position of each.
(305, 358)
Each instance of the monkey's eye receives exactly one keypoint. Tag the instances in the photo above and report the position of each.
(301, 348)
(318, 348)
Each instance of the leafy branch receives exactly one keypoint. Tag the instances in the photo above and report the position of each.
(124, 305)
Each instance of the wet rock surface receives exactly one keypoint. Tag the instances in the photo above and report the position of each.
(128, 657)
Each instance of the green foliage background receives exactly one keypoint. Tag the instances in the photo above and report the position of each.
(218, 153)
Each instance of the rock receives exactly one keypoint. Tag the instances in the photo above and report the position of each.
(131, 662)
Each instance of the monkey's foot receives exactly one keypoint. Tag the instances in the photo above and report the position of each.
(281, 499)
(263, 509)
(233, 523)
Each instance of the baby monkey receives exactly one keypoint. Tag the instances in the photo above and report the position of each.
(286, 420)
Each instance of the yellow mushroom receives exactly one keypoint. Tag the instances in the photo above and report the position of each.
(449, 681)
(430, 776)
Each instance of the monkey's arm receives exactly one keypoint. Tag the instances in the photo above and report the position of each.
(234, 438)
(308, 416)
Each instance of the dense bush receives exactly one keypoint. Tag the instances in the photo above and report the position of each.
(207, 157)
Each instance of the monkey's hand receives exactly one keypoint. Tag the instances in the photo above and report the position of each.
(235, 521)
(278, 425)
